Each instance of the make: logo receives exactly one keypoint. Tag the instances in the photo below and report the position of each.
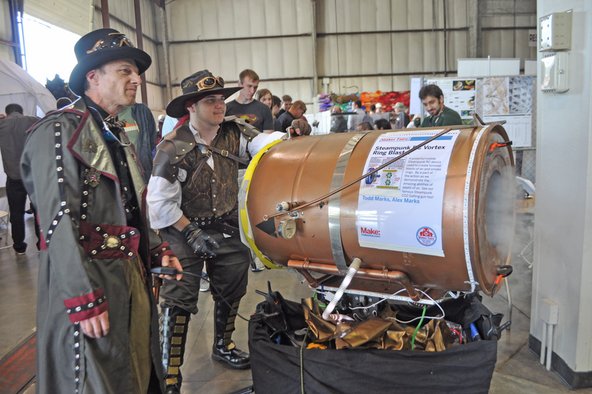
(371, 232)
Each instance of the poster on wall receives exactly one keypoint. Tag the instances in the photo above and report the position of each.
(459, 94)
(495, 99)
(518, 127)
(400, 207)
(509, 100)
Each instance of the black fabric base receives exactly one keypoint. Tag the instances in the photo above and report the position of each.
(276, 368)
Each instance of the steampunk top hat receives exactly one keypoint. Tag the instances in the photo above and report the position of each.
(195, 87)
(100, 47)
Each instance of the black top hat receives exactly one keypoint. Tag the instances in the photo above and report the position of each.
(195, 87)
(100, 47)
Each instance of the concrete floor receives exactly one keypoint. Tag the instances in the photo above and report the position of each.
(517, 369)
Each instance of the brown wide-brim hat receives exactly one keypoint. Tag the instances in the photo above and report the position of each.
(101, 47)
(195, 87)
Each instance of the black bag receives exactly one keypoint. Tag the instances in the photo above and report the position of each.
(280, 367)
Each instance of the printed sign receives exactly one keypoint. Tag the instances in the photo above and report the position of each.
(400, 206)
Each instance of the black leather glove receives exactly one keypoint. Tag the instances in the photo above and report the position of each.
(202, 244)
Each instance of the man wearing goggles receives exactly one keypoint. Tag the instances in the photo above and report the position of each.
(192, 200)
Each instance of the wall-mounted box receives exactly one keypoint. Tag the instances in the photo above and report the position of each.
(554, 73)
(555, 31)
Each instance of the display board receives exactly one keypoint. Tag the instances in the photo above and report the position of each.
(509, 99)
(400, 207)
(459, 95)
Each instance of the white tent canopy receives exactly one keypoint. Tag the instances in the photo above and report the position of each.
(17, 86)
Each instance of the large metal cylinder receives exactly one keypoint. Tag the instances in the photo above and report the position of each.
(445, 219)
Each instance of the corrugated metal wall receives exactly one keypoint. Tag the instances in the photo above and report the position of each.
(401, 38)
(122, 18)
(361, 45)
(505, 26)
(273, 37)
(6, 51)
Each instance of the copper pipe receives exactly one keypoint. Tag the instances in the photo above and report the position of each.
(383, 275)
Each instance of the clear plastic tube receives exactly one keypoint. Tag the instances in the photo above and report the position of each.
(353, 268)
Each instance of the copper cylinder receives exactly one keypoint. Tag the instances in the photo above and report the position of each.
(302, 169)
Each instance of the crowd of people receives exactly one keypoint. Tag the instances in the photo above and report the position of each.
(115, 211)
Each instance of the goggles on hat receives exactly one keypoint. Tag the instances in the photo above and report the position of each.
(114, 40)
(209, 82)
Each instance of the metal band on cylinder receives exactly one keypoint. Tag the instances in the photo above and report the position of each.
(334, 205)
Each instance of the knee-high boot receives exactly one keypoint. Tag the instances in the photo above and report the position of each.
(174, 325)
(224, 349)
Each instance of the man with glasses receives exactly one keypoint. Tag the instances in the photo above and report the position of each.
(97, 323)
(192, 199)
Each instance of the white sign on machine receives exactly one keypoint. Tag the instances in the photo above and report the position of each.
(400, 206)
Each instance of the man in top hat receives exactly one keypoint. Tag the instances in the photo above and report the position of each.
(192, 199)
(97, 326)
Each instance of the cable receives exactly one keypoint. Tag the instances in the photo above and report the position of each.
(434, 302)
(172, 271)
(426, 317)
(302, 362)
(417, 328)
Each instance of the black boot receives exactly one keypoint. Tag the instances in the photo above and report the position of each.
(224, 349)
(174, 324)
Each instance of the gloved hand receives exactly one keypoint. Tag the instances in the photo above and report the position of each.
(202, 244)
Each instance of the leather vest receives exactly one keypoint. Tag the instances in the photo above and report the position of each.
(208, 193)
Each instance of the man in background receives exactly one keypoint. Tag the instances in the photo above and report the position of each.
(286, 104)
(432, 98)
(245, 106)
(296, 111)
(12, 142)
(399, 117)
(360, 116)
(338, 121)
(141, 130)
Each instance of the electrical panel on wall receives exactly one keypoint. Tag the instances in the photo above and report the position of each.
(554, 43)
(554, 73)
(555, 31)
